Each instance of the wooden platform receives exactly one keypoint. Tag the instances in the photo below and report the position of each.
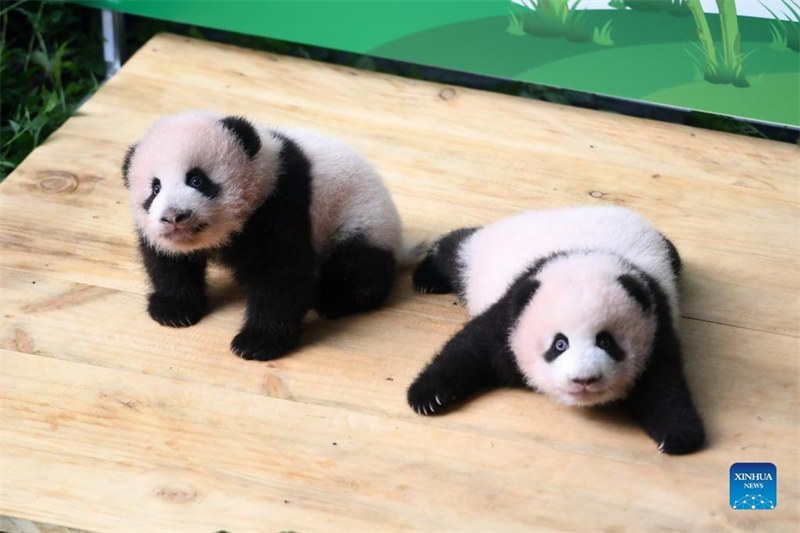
(113, 423)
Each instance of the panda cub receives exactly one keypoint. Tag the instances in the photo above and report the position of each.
(580, 304)
(301, 219)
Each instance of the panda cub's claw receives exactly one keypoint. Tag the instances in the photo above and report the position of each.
(683, 440)
(427, 398)
(174, 312)
(253, 344)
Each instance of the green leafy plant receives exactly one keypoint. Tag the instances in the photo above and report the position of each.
(515, 23)
(617, 4)
(48, 65)
(602, 36)
(556, 18)
(785, 33)
(779, 41)
(677, 8)
(726, 66)
(716, 70)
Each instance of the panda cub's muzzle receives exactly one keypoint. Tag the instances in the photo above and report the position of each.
(178, 224)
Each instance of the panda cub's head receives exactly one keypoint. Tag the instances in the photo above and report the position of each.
(584, 335)
(194, 179)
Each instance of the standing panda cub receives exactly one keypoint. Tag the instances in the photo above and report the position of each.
(301, 219)
(580, 304)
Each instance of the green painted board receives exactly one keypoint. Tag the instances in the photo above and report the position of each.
(648, 50)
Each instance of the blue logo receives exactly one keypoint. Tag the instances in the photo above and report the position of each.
(754, 486)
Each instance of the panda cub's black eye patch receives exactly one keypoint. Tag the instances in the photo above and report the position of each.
(155, 188)
(560, 345)
(605, 341)
(197, 179)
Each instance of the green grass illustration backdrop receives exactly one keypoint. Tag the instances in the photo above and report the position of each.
(654, 58)
(653, 55)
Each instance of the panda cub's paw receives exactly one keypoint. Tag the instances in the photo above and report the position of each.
(251, 343)
(682, 440)
(175, 312)
(428, 396)
(428, 279)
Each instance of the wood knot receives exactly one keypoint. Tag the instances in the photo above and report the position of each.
(177, 493)
(62, 182)
(597, 194)
(57, 182)
(23, 341)
(275, 387)
(448, 93)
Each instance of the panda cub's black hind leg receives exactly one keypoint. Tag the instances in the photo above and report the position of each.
(355, 276)
(428, 279)
(438, 272)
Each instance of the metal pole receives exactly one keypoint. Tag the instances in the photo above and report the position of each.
(113, 31)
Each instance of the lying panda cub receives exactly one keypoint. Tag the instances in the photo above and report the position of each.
(580, 304)
(301, 219)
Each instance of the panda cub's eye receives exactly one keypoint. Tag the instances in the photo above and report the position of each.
(604, 340)
(156, 186)
(199, 180)
(195, 178)
(561, 343)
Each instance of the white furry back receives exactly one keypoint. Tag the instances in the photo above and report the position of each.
(493, 257)
(347, 194)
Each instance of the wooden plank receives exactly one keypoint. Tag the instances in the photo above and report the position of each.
(184, 451)
(337, 366)
(103, 411)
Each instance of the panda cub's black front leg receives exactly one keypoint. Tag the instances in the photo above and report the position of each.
(178, 298)
(273, 324)
(463, 367)
(662, 404)
(277, 300)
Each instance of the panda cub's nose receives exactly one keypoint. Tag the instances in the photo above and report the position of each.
(586, 381)
(176, 217)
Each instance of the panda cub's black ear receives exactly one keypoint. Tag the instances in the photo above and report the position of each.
(636, 289)
(520, 294)
(245, 133)
(126, 164)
